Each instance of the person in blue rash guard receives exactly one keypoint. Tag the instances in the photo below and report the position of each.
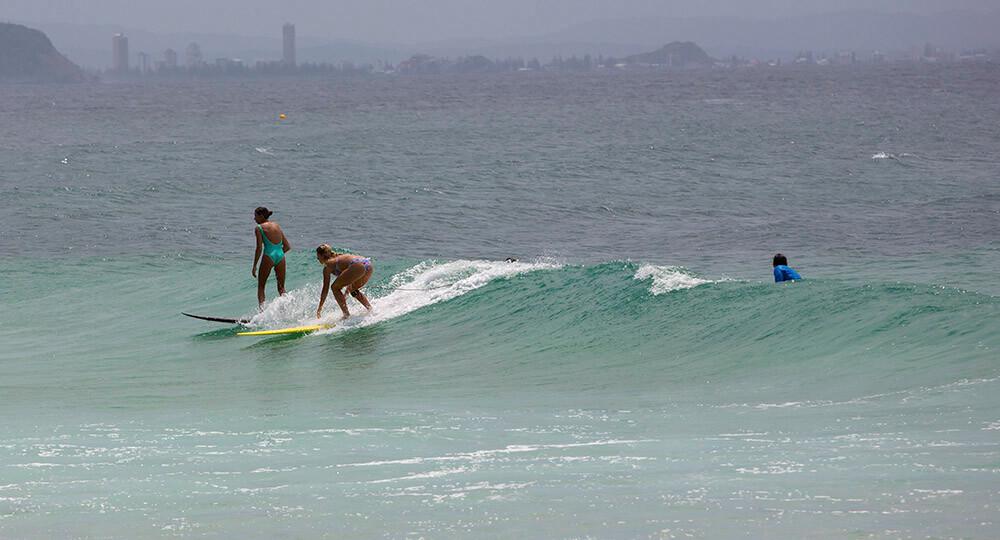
(781, 270)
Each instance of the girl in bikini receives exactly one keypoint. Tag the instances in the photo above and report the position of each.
(274, 245)
(352, 272)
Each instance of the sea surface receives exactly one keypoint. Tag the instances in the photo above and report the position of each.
(635, 373)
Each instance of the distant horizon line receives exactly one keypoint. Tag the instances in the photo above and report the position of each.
(377, 42)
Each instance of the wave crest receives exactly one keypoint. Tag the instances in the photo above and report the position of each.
(423, 284)
(668, 278)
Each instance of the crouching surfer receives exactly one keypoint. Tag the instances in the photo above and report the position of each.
(351, 272)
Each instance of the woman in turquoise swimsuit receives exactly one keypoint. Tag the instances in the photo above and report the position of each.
(352, 272)
(274, 245)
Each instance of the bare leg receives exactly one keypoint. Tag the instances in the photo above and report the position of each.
(341, 301)
(355, 289)
(262, 274)
(279, 273)
(360, 297)
(350, 274)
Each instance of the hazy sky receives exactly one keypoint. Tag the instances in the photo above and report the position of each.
(413, 21)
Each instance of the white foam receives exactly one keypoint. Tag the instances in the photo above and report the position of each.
(422, 285)
(295, 308)
(882, 155)
(483, 455)
(421, 476)
(668, 278)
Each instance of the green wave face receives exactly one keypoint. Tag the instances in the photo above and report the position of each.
(485, 326)
(603, 328)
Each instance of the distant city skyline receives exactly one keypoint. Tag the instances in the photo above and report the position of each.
(832, 34)
(408, 22)
(673, 56)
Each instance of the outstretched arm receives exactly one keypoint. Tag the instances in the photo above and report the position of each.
(326, 287)
(256, 254)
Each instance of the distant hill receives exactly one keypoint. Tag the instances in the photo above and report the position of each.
(27, 55)
(785, 37)
(674, 54)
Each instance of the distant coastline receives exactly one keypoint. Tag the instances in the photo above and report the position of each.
(27, 55)
(673, 56)
(866, 35)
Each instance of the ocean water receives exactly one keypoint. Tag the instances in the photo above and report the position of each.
(634, 374)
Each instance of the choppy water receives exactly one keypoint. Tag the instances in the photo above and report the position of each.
(635, 374)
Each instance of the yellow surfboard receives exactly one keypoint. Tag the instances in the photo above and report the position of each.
(296, 330)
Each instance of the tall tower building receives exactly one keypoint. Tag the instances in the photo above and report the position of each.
(192, 56)
(170, 56)
(119, 52)
(288, 33)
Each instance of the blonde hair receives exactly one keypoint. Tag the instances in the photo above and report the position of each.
(325, 251)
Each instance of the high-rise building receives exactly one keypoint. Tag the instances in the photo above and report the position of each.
(192, 56)
(119, 52)
(142, 62)
(288, 33)
(170, 56)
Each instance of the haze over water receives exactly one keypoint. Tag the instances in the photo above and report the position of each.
(634, 374)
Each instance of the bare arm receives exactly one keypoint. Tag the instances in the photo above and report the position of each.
(286, 246)
(326, 287)
(256, 254)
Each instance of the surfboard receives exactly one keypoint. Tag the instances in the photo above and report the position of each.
(296, 330)
(218, 319)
